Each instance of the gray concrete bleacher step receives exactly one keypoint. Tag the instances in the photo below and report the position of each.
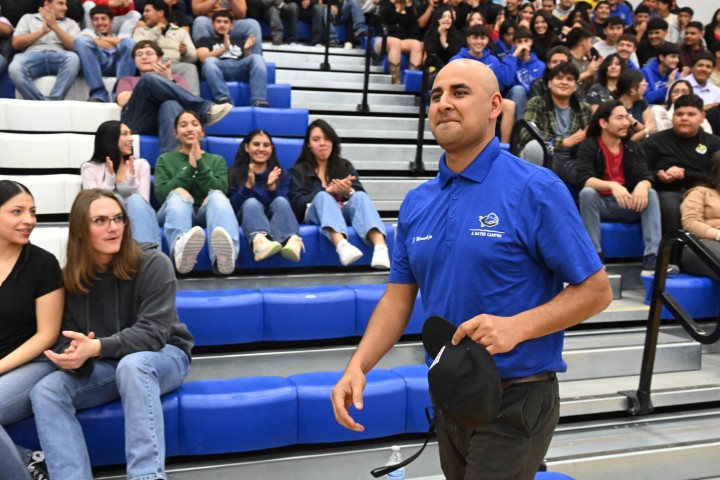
(388, 103)
(381, 127)
(374, 156)
(334, 80)
(311, 60)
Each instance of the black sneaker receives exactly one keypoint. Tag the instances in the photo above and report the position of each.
(37, 466)
(648, 266)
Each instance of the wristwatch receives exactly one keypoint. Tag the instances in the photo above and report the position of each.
(351, 192)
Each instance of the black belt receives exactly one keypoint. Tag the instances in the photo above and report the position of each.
(538, 377)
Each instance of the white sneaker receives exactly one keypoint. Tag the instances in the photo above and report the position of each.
(217, 112)
(348, 253)
(222, 245)
(264, 248)
(347, 45)
(380, 258)
(187, 248)
(291, 250)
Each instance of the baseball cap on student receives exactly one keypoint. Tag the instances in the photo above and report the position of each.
(464, 381)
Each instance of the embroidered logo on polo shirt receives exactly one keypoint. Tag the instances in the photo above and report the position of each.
(422, 239)
(488, 222)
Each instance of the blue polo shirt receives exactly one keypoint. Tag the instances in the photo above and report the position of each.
(499, 238)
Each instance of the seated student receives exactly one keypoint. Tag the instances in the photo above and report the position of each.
(121, 339)
(225, 59)
(326, 191)
(544, 36)
(712, 29)
(350, 12)
(504, 45)
(442, 40)
(243, 27)
(579, 41)
(102, 54)
(151, 101)
(310, 11)
(478, 38)
(616, 184)
(31, 299)
(700, 210)
(555, 56)
(191, 185)
(663, 114)
(561, 118)
(113, 167)
(679, 157)
(660, 71)
(692, 43)
(600, 17)
(656, 32)
(175, 42)
(403, 35)
(259, 190)
(638, 28)
(620, 8)
(45, 42)
(527, 68)
(630, 91)
(666, 10)
(15, 9)
(607, 77)
(626, 48)
(684, 17)
(613, 30)
(702, 67)
(123, 15)
(6, 31)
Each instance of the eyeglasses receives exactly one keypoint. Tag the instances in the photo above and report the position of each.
(119, 219)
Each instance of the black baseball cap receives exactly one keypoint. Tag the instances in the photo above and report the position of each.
(464, 380)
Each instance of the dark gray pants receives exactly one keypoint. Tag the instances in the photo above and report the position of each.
(694, 266)
(513, 446)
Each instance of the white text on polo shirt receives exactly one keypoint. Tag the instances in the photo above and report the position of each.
(422, 239)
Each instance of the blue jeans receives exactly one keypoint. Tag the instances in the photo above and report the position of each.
(518, 95)
(99, 62)
(176, 216)
(26, 67)
(138, 379)
(143, 220)
(153, 106)
(277, 219)
(359, 212)
(15, 387)
(250, 69)
(202, 27)
(595, 207)
(350, 10)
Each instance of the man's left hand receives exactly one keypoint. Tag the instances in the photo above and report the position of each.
(496, 334)
(640, 197)
(81, 348)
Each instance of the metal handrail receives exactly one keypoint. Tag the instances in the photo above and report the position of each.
(374, 24)
(536, 135)
(640, 400)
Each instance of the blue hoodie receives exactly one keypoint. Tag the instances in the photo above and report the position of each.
(504, 71)
(525, 72)
(657, 82)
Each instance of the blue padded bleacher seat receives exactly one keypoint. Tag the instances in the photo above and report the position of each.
(309, 313)
(418, 396)
(383, 412)
(289, 122)
(103, 428)
(238, 122)
(699, 296)
(621, 240)
(552, 476)
(328, 256)
(237, 415)
(368, 295)
(226, 147)
(288, 150)
(222, 317)
(278, 95)
(413, 81)
(309, 258)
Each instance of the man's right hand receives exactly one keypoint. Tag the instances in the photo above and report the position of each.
(622, 196)
(348, 391)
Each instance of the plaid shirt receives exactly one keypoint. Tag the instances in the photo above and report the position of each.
(541, 111)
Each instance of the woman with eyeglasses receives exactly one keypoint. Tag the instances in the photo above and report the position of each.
(663, 114)
(121, 339)
(31, 301)
(114, 168)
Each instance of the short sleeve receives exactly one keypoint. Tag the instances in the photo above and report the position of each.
(50, 276)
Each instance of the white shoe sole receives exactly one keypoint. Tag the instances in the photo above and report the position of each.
(193, 245)
(224, 251)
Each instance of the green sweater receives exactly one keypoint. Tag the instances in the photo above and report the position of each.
(172, 171)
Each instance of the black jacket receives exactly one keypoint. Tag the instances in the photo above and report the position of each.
(590, 162)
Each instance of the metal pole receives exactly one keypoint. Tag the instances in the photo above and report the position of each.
(418, 166)
(325, 65)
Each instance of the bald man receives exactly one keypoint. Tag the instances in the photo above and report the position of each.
(489, 243)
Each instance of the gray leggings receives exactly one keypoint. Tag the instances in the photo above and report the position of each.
(694, 266)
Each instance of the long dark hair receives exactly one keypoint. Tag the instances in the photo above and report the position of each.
(602, 113)
(668, 101)
(306, 163)
(106, 144)
(628, 80)
(602, 70)
(239, 170)
(713, 176)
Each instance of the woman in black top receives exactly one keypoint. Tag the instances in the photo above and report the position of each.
(31, 301)
(400, 19)
(443, 40)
